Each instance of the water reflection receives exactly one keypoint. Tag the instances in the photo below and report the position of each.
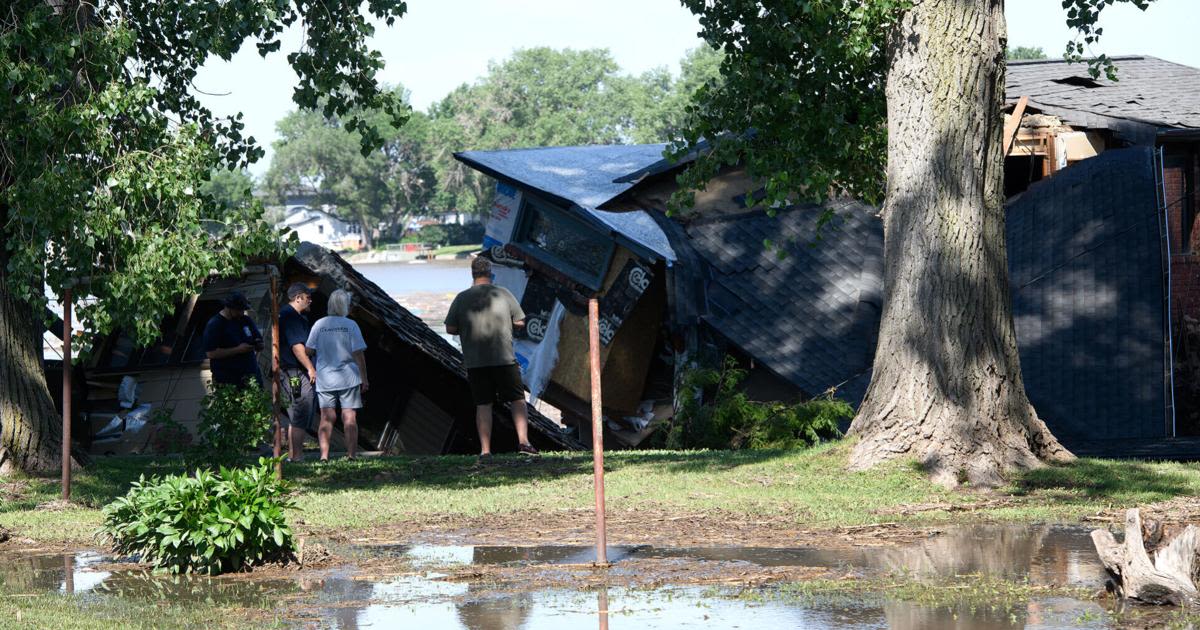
(1046, 554)
(62, 573)
(342, 598)
(602, 607)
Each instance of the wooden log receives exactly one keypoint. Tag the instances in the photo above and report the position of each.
(1167, 579)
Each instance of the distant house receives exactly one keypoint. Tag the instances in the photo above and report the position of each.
(315, 222)
(319, 226)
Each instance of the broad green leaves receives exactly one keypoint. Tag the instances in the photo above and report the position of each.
(204, 523)
(1082, 16)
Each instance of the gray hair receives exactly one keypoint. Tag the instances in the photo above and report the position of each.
(339, 303)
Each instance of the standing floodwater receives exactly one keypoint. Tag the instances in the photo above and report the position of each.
(978, 577)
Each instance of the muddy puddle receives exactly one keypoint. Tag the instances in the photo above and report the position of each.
(981, 577)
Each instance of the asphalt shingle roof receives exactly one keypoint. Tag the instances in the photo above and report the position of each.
(1085, 267)
(812, 317)
(1150, 92)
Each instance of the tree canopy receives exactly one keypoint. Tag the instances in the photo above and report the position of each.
(807, 78)
(107, 152)
(537, 97)
(106, 163)
(1025, 52)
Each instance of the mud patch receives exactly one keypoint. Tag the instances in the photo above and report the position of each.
(648, 525)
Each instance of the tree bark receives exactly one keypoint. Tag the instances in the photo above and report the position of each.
(947, 387)
(364, 225)
(30, 431)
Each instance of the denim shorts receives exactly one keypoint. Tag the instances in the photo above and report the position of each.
(349, 398)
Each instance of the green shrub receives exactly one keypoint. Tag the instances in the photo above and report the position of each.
(233, 420)
(207, 523)
(729, 419)
(433, 235)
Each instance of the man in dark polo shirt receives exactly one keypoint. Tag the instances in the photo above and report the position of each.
(297, 371)
(483, 317)
(230, 341)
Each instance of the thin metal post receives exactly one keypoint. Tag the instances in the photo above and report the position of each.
(66, 395)
(278, 450)
(597, 429)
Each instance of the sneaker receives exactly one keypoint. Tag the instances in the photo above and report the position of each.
(528, 449)
(483, 459)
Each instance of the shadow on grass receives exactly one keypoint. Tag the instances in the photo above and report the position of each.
(105, 479)
(110, 477)
(1120, 481)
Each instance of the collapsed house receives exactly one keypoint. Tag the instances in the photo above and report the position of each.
(1102, 266)
(1102, 254)
(567, 224)
(421, 402)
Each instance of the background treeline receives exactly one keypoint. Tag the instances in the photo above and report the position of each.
(537, 97)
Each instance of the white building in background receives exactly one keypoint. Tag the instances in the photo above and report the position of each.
(319, 226)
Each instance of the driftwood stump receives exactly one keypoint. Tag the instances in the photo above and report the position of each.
(1168, 579)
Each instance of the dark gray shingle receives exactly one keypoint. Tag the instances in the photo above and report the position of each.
(1087, 286)
(801, 316)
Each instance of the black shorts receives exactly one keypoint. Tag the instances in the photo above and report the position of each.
(496, 384)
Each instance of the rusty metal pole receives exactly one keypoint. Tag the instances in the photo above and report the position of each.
(275, 372)
(597, 429)
(66, 395)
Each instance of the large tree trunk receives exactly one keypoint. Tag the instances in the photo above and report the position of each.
(30, 433)
(947, 385)
(364, 225)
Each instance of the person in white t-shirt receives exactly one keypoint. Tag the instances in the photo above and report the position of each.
(337, 344)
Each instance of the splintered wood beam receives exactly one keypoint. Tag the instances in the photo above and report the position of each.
(1014, 123)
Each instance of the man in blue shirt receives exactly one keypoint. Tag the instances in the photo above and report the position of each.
(298, 373)
(230, 341)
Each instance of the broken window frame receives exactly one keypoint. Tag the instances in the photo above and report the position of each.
(532, 206)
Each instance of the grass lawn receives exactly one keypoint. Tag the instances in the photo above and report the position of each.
(811, 487)
(454, 249)
(21, 609)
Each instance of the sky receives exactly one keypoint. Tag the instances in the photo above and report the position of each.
(441, 44)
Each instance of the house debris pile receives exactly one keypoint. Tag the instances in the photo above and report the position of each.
(420, 405)
(571, 222)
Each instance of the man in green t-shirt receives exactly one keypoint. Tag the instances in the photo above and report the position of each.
(483, 317)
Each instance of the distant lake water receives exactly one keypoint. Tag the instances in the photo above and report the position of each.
(402, 278)
(425, 289)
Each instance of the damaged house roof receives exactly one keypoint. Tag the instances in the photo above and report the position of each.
(582, 178)
(811, 316)
(410, 330)
(1150, 94)
(829, 288)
